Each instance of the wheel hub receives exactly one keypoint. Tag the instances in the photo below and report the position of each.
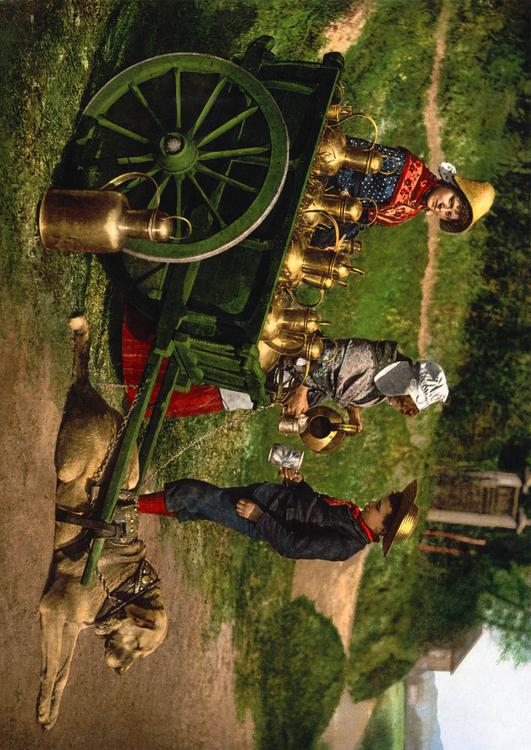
(173, 144)
(177, 153)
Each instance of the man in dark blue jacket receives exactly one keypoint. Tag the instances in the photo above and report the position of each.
(293, 518)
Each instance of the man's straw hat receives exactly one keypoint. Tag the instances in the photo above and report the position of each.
(405, 518)
(479, 195)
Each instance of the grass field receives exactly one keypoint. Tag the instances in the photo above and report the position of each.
(385, 730)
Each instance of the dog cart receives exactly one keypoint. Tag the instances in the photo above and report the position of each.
(232, 146)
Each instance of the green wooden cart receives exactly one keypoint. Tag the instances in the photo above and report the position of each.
(231, 145)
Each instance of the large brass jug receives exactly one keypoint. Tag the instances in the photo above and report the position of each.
(343, 208)
(334, 153)
(325, 429)
(318, 268)
(304, 320)
(267, 357)
(297, 344)
(327, 264)
(291, 272)
(98, 221)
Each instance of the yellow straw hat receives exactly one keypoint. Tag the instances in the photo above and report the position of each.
(405, 518)
(479, 196)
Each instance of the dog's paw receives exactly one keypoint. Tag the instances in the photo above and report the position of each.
(78, 324)
(43, 715)
(47, 712)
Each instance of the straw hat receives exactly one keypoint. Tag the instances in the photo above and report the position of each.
(479, 196)
(405, 518)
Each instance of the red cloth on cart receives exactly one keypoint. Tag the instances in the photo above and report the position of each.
(138, 333)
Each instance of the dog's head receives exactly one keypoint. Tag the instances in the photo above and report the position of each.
(136, 633)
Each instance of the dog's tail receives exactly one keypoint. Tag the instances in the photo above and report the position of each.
(80, 328)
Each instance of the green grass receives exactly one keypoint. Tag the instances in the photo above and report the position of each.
(483, 300)
(38, 107)
(385, 730)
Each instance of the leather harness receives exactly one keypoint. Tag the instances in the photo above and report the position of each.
(122, 530)
(144, 579)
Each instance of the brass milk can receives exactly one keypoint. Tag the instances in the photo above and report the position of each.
(343, 208)
(304, 320)
(334, 153)
(291, 272)
(98, 221)
(297, 344)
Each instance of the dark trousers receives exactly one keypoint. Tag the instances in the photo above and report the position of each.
(194, 500)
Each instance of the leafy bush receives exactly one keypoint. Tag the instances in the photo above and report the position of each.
(301, 643)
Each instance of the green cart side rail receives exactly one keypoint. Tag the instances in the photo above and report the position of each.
(209, 313)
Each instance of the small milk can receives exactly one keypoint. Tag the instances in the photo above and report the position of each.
(285, 457)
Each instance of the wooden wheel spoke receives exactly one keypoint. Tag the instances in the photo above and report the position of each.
(107, 161)
(139, 96)
(233, 152)
(148, 274)
(178, 195)
(178, 98)
(179, 207)
(227, 126)
(209, 104)
(212, 209)
(226, 179)
(140, 159)
(257, 161)
(104, 122)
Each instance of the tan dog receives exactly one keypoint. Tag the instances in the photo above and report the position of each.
(123, 602)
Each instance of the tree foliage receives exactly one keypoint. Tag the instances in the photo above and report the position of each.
(305, 645)
(505, 605)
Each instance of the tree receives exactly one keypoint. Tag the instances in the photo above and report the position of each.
(505, 604)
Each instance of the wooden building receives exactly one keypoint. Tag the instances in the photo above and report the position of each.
(478, 498)
(447, 658)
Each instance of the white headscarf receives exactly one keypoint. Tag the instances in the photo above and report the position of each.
(431, 385)
(425, 382)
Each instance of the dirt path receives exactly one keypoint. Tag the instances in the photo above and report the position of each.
(181, 697)
(431, 122)
(333, 586)
(345, 32)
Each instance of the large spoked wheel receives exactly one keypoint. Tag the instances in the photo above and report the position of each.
(207, 131)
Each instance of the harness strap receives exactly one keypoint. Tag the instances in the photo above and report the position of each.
(100, 529)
